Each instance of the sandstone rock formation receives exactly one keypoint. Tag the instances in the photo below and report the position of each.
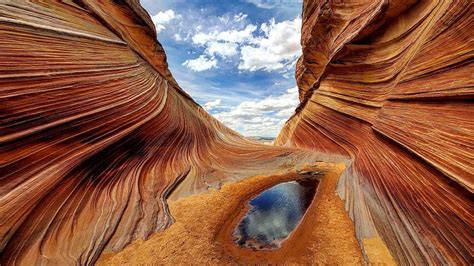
(95, 134)
(389, 84)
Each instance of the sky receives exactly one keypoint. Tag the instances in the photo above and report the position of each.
(236, 58)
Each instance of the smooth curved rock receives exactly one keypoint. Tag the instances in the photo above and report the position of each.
(389, 85)
(95, 133)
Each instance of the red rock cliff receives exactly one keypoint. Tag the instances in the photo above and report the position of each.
(389, 85)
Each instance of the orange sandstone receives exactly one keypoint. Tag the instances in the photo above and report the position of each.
(96, 135)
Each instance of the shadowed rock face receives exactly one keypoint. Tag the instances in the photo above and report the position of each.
(389, 84)
(95, 133)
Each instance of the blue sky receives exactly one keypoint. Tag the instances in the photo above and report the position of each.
(235, 58)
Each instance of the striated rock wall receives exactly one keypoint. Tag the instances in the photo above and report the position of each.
(390, 85)
(95, 133)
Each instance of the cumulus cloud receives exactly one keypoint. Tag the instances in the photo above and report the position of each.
(223, 49)
(277, 49)
(270, 46)
(213, 104)
(201, 63)
(224, 44)
(263, 117)
(231, 35)
(273, 47)
(161, 19)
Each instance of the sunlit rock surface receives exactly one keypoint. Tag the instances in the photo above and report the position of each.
(389, 85)
(95, 133)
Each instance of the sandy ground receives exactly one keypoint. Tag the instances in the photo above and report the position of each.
(202, 233)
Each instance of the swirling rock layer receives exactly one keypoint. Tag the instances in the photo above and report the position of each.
(389, 85)
(95, 133)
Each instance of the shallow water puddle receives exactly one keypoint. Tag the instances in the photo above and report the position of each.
(274, 214)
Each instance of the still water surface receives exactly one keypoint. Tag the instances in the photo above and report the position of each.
(274, 214)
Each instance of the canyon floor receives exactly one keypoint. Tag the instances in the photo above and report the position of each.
(202, 232)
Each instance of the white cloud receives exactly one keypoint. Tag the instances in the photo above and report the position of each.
(263, 117)
(268, 4)
(213, 104)
(270, 46)
(224, 44)
(223, 49)
(239, 17)
(161, 19)
(201, 63)
(232, 35)
(177, 37)
(277, 49)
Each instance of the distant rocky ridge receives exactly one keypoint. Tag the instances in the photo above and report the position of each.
(266, 140)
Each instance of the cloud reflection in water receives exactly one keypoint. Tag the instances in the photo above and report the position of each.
(274, 214)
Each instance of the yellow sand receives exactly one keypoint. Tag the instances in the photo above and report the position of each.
(204, 223)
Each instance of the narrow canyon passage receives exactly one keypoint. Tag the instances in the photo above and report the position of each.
(105, 159)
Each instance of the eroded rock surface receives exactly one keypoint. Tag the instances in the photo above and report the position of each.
(389, 84)
(95, 133)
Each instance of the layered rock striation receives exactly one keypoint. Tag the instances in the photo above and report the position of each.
(389, 85)
(95, 133)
